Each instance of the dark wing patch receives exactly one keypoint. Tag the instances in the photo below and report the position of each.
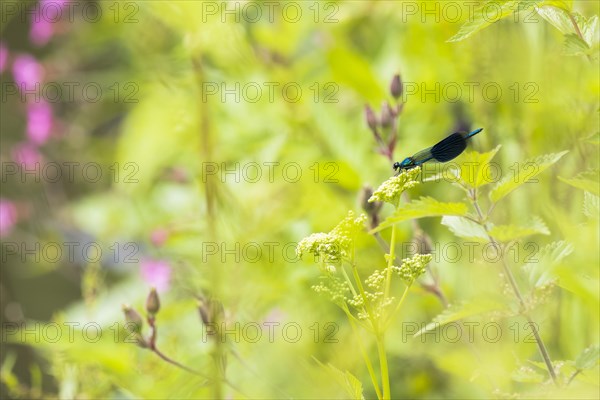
(449, 148)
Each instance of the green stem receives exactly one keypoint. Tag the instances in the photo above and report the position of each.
(517, 292)
(364, 354)
(350, 285)
(385, 376)
(391, 316)
(361, 290)
(391, 256)
(210, 193)
(573, 376)
(578, 31)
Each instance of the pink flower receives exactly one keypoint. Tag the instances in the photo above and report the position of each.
(156, 273)
(27, 72)
(3, 56)
(159, 236)
(41, 31)
(47, 14)
(27, 155)
(39, 122)
(8, 217)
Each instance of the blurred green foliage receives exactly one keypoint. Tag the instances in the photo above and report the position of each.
(342, 55)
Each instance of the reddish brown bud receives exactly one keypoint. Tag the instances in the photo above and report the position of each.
(133, 318)
(396, 87)
(371, 118)
(387, 115)
(152, 302)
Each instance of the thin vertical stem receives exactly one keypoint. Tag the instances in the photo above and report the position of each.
(210, 188)
(398, 306)
(516, 291)
(578, 31)
(385, 376)
(391, 256)
(364, 355)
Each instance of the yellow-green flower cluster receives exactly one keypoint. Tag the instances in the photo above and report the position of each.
(376, 279)
(335, 245)
(412, 268)
(391, 190)
(335, 289)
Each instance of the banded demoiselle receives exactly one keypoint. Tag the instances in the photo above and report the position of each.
(445, 150)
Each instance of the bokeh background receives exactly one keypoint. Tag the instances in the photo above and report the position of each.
(190, 145)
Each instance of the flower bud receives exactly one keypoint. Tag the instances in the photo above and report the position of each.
(371, 118)
(152, 302)
(133, 318)
(396, 88)
(211, 313)
(387, 115)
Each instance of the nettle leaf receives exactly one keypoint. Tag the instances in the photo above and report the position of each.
(465, 228)
(585, 44)
(587, 181)
(489, 13)
(349, 382)
(474, 169)
(461, 311)
(526, 172)
(575, 46)
(556, 16)
(541, 265)
(588, 359)
(591, 205)
(506, 233)
(590, 29)
(424, 207)
(566, 5)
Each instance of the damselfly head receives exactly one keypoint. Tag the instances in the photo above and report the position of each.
(407, 163)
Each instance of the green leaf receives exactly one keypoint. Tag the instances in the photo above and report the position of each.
(587, 181)
(588, 358)
(541, 264)
(349, 382)
(526, 172)
(465, 228)
(556, 12)
(474, 169)
(424, 207)
(589, 29)
(485, 16)
(506, 233)
(566, 5)
(461, 311)
(556, 16)
(587, 43)
(591, 205)
(575, 46)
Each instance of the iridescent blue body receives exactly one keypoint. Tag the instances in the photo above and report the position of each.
(445, 150)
